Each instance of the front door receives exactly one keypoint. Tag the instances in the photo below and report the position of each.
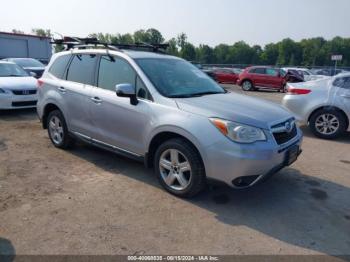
(116, 121)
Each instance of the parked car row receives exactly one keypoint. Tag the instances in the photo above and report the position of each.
(264, 77)
(169, 114)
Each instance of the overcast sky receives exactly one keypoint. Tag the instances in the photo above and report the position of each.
(204, 21)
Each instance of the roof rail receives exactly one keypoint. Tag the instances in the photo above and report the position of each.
(84, 43)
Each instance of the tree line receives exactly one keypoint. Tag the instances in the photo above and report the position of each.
(307, 52)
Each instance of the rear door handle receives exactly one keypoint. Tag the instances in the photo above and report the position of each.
(62, 90)
(346, 96)
(96, 100)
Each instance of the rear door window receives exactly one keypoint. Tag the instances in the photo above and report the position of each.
(271, 72)
(82, 69)
(59, 66)
(260, 71)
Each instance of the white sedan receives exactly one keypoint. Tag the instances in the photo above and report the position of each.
(17, 88)
(324, 105)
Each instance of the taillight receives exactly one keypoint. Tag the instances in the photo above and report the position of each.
(40, 83)
(298, 91)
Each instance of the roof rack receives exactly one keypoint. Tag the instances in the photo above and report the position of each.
(85, 43)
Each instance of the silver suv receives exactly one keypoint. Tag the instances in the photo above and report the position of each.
(167, 113)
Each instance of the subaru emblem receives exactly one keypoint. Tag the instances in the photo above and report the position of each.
(288, 126)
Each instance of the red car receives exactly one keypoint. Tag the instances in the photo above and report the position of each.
(226, 75)
(260, 77)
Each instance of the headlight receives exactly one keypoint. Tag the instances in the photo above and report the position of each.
(238, 132)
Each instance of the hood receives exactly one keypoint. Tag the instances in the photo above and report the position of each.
(234, 107)
(18, 83)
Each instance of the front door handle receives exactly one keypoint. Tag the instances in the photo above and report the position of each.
(62, 90)
(96, 100)
(346, 96)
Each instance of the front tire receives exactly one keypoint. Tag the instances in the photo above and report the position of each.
(179, 168)
(58, 131)
(328, 124)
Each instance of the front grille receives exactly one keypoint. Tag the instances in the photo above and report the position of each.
(24, 103)
(284, 137)
(24, 92)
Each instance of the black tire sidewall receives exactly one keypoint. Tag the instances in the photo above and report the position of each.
(197, 182)
(342, 123)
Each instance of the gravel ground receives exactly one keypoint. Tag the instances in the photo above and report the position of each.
(88, 201)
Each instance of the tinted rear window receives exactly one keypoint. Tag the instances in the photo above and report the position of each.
(257, 71)
(59, 66)
(82, 69)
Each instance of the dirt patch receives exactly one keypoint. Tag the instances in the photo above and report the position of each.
(3, 145)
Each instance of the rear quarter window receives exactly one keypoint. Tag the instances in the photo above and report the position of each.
(58, 68)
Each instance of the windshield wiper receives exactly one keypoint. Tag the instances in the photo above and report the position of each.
(14, 75)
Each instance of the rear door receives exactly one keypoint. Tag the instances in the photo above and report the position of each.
(272, 79)
(117, 122)
(76, 90)
(343, 93)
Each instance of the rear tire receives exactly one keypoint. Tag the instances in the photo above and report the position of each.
(179, 168)
(58, 131)
(328, 124)
(247, 85)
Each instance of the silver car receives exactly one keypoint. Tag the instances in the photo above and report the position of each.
(324, 105)
(167, 113)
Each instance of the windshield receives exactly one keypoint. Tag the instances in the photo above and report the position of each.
(27, 62)
(178, 78)
(7, 70)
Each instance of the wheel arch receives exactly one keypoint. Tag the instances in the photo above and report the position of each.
(49, 107)
(160, 138)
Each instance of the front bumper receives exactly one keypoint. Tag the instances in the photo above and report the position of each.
(9, 101)
(245, 165)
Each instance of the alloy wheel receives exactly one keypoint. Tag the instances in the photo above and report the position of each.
(175, 169)
(247, 86)
(56, 130)
(327, 124)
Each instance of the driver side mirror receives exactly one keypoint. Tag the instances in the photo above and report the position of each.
(127, 90)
